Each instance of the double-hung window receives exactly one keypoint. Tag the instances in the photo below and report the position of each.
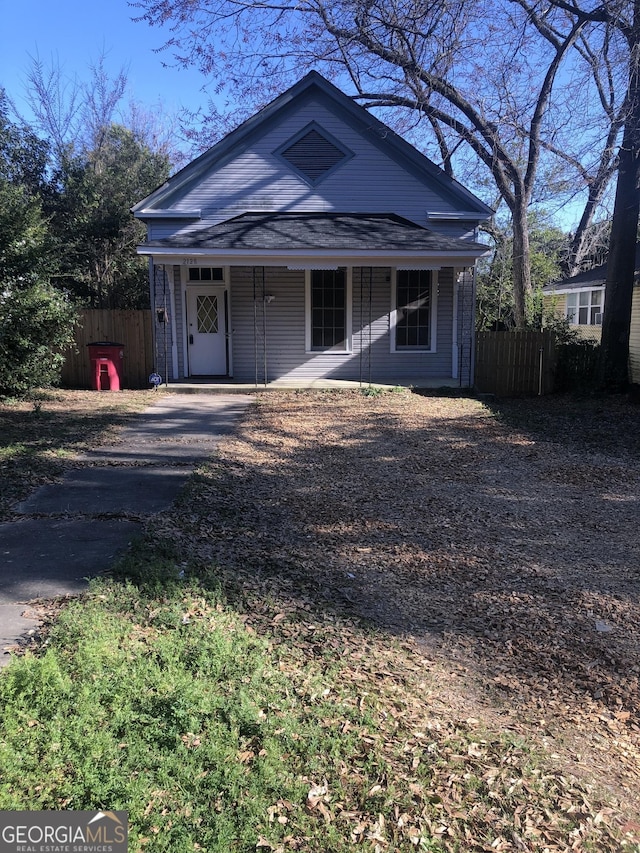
(584, 308)
(328, 314)
(414, 311)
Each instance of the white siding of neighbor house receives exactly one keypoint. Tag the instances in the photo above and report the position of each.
(370, 357)
(258, 180)
(588, 333)
(634, 339)
(557, 303)
(595, 332)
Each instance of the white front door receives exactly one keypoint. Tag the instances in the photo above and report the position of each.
(206, 331)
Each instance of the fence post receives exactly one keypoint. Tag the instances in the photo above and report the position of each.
(540, 372)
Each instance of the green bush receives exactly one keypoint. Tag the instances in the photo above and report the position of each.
(36, 325)
(577, 365)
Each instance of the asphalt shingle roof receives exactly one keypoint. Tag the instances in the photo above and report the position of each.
(595, 277)
(317, 231)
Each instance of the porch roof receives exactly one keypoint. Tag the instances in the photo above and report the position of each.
(320, 234)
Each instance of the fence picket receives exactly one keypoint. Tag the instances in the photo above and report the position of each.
(508, 363)
(133, 329)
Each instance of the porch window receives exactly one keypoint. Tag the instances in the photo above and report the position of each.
(584, 308)
(414, 310)
(206, 274)
(327, 314)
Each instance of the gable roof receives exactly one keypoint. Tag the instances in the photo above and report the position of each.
(588, 279)
(357, 116)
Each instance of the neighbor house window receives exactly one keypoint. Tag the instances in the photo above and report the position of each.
(327, 314)
(584, 308)
(414, 310)
(206, 274)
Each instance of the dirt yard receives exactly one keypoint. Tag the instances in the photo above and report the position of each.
(498, 541)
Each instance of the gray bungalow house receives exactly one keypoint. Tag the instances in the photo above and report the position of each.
(313, 243)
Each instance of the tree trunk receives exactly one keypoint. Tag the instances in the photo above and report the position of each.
(614, 352)
(521, 264)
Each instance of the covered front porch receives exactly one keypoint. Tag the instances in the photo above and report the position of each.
(305, 300)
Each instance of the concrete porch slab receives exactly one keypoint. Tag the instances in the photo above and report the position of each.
(215, 385)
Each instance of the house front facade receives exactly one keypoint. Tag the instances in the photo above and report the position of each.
(313, 243)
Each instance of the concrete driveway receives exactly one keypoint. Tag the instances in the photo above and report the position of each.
(68, 532)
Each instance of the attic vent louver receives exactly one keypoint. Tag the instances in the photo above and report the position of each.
(313, 153)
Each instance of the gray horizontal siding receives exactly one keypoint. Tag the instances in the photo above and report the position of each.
(179, 303)
(282, 326)
(284, 321)
(466, 329)
(462, 229)
(258, 180)
(162, 332)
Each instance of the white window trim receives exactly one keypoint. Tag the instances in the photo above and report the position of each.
(577, 293)
(393, 315)
(215, 282)
(348, 315)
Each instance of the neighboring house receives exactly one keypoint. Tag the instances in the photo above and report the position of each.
(311, 243)
(581, 299)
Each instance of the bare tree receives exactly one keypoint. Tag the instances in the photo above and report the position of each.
(624, 226)
(55, 101)
(75, 116)
(596, 163)
(492, 78)
(105, 153)
(620, 21)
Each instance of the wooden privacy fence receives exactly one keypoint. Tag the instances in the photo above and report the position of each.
(515, 363)
(133, 329)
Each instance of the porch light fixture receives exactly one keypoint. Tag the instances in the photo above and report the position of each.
(269, 297)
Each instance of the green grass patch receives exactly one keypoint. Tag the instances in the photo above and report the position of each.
(215, 733)
(162, 703)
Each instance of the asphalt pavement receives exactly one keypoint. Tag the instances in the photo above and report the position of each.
(68, 532)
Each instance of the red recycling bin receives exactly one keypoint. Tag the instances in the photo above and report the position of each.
(107, 359)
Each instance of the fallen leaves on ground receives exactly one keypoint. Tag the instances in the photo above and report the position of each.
(497, 570)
